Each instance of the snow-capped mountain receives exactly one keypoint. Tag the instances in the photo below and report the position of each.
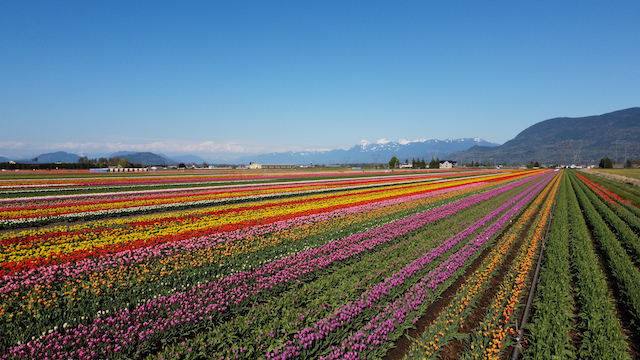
(365, 151)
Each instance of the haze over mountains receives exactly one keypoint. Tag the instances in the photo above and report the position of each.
(366, 152)
(555, 141)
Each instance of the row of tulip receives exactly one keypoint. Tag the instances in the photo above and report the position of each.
(569, 246)
(27, 207)
(251, 239)
(278, 271)
(61, 244)
(17, 189)
(452, 322)
(307, 304)
(597, 315)
(175, 263)
(148, 179)
(549, 331)
(399, 315)
(605, 193)
(624, 225)
(212, 340)
(92, 284)
(495, 331)
(41, 213)
(624, 270)
(622, 208)
(222, 187)
(104, 183)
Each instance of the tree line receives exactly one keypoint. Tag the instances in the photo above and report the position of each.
(87, 163)
(415, 163)
(82, 163)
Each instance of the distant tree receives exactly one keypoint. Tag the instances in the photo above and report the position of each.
(35, 158)
(628, 165)
(394, 162)
(113, 161)
(434, 164)
(413, 163)
(536, 164)
(102, 162)
(423, 164)
(124, 163)
(181, 166)
(606, 163)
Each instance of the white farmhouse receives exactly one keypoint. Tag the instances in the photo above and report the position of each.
(447, 164)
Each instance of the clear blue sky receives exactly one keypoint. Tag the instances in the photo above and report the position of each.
(217, 78)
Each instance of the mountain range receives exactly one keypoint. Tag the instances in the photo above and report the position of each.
(366, 152)
(566, 141)
(563, 140)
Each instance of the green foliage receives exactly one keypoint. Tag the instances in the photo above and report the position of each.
(625, 274)
(113, 161)
(394, 162)
(434, 164)
(605, 163)
(297, 305)
(600, 330)
(124, 163)
(553, 309)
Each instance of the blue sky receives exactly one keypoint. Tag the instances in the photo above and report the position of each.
(220, 78)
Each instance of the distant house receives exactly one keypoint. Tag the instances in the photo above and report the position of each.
(255, 166)
(448, 164)
(406, 165)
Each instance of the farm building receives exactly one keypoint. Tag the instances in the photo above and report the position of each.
(448, 164)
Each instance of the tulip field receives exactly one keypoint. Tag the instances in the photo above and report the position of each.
(316, 265)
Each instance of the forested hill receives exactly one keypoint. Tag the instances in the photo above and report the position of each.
(567, 141)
